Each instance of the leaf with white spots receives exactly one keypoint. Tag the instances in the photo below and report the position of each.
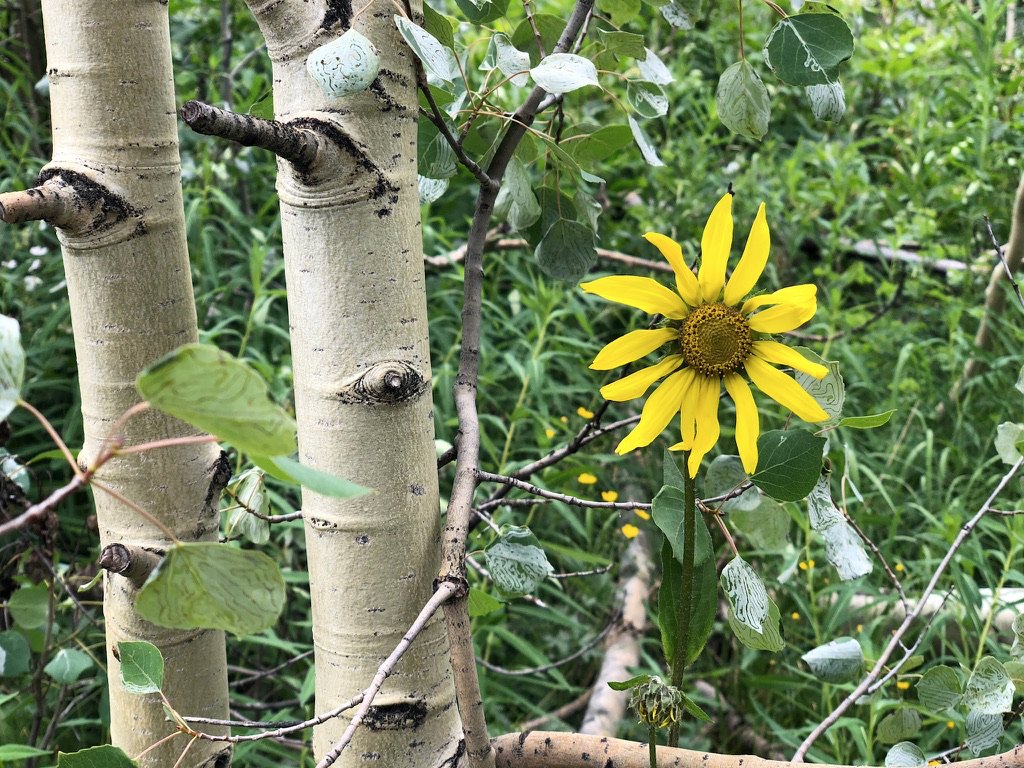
(560, 73)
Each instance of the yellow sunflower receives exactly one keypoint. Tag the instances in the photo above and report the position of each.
(714, 336)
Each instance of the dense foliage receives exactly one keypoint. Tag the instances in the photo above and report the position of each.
(929, 147)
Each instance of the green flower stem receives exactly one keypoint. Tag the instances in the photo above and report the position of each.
(678, 662)
(652, 735)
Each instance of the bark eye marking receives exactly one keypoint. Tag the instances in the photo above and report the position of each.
(389, 382)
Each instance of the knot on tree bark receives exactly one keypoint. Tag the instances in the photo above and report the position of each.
(134, 563)
(390, 382)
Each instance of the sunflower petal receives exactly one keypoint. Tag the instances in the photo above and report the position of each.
(780, 354)
(784, 390)
(706, 404)
(631, 347)
(803, 295)
(780, 318)
(752, 262)
(658, 411)
(714, 249)
(634, 385)
(747, 421)
(686, 281)
(641, 292)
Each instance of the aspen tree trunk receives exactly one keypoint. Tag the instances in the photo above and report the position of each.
(113, 190)
(357, 310)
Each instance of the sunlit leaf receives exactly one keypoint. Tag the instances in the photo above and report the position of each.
(829, 391)
(643, 141)
(431, 190)
(507, 59)
(435, 158)
(843, 547)
(867, 422)
(837, 661)
(291, 471)
(142, 667)
(559, 73)
(653, 69)
(215, 392)
(12, 365)
(437, 59)
(479, 603)
(1008, 437)
(770, 636)
(13, 752)
(67, 665)
(207, 585)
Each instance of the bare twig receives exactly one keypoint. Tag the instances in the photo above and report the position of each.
(585, 648)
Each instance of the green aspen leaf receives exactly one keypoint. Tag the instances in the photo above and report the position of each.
(441, 27)
(437, 59)
(843, 547)
(559, 73)
(12, 752)
(939, 689)
(789, 463)
(291, 471)
(768, 639)
(550, 27)
(250, 505)
(828, 101)
(652, 69)
(829, 391)
(765, 527)
(517, 562)
(483, 11)
(436, 158)
(567, 250)
(1017, 627)
(507, 59)
(742, 101)
(747, 594)
(431, 190)
(984, 730)
(14, 654)
(867, 422)
(647, 99)
(807, 49)
(30, 606)
(346, 65)
(1008, 437)
(12, 365)
(900, 725)
(670, 472)
(668, 513)
(643, 141)
(207, 585)
(622, 43)
(95, 757)
(989, 689)
(725, 475)
(620, 12)
(588, 207)
(682, 14)
(479, 603)
(1015, 671)
(625, 685)
(906, 754)
(590, 148)
(142, 667)
(67, 665)
(516, 201)
(837, 661)
(673, 610)
(214, 392)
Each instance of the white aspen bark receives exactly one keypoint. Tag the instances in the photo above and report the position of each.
(129, 284)
(357, 309)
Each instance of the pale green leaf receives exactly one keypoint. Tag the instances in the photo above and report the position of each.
(516, 202)
(95, 757)
(437, 59)
(653, 70)
(900, 725)
(904, 755)
(647, 99)
(989, 689)
(559, 73)
(867, 422)
(742, 101)
(14, 654)
(643, 141)
(142, 667)
(207, 585)
(984, 730)
(768, 639)
(828, 102)
(507, 59)
(12, 752)
(479, 603)
(67, 665)
(431, 190)
(939, 689)
(837, 661)
(12, 365)
(1008, 437)
(30, 606)
(844, 549)
(747, 594)
(829, 391)
(346, 65)
(291, 471)
(517, 562)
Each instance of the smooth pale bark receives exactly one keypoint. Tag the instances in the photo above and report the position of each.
(129, 285)
(357, 309)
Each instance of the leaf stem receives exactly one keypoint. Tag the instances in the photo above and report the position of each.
(685, 597)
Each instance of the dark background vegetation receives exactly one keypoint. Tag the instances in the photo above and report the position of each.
(931, 143)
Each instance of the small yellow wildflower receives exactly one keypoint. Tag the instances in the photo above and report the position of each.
(584, 413)
(643, 514)
(803, 565)
(899, 568)
(715, 338)
(934, 762)
(564, 419)
(549, 432)
(950, 724)
(795, 615)
(610, 495)
(903, 685)
(630, 531)
(860, 628)
(810, 564)
(586, 478)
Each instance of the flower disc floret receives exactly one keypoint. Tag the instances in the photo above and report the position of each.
(717, 335)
